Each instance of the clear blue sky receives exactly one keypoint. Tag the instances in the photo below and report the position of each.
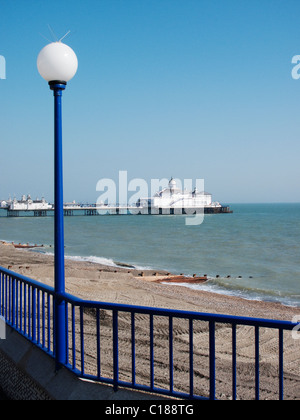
(182, 88)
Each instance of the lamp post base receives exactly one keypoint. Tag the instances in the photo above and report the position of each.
(56, 82)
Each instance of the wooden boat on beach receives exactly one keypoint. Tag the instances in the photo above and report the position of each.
(182, 279)
(27, 246)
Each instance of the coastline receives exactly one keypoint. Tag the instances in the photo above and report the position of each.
(98, 282)
(124, 284)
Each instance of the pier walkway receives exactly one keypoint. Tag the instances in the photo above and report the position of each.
(93, 210)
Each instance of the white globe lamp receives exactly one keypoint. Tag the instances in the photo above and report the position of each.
(57, 62)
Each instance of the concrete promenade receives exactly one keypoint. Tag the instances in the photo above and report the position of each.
(27, 373)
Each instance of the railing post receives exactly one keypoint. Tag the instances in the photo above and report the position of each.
(133, 347)
(191, 342)
(98, 343)
(234, 362)
(115, 350)
(82, 339)
(212, 360)
(13, 299)
(281, 364)
(257, 393)
(33, 312)
(5, 296)
(171, 354)
(1, 294)
(151, 353)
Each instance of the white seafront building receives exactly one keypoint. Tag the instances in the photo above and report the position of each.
(173, 197)
(26, 203)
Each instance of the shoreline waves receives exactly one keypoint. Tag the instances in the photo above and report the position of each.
(39, 266)
(226, 286)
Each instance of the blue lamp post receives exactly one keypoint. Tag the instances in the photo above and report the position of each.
(57, 64)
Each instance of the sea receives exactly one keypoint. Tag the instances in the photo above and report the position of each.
(253, 253)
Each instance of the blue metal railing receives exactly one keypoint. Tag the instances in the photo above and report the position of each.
(28, 307)
(106, 342)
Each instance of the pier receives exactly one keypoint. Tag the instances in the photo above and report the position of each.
(94, 210)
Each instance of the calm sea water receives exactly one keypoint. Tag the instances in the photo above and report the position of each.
(258, 242)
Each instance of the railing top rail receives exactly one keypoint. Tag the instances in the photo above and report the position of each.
(20, 277)
(225, 319)
(208, 317)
